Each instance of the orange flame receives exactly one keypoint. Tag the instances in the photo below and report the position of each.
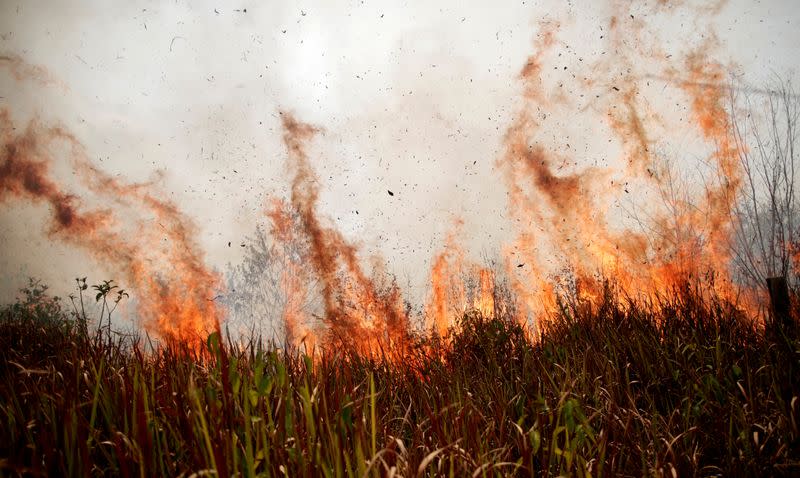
(446, 286)
(158, 258)
(357, 311)
(294, 278)
(565, 239)
(451, 295)
(564, 228)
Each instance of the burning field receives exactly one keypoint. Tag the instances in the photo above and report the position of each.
(636, 313)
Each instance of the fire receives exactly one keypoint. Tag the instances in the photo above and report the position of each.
(564, 225)
(565, 240)
(357, 311)
(294, 278)
(483, 301)
(447, 288)
(457, 286)
(157, 254)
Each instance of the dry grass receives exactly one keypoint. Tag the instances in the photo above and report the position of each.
(613, 390)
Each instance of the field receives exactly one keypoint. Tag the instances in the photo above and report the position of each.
(681, 386)
(400, 239)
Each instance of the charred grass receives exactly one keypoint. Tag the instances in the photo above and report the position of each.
(683, 387)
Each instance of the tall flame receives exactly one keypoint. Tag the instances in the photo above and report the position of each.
(357, 311)
(157, 254)
(565, 240)
(457, 286)
(564, 227)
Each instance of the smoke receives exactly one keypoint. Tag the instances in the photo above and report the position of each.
(152, 245)
(23, 71)
(357, 310)
(556, 155)
(566, 231)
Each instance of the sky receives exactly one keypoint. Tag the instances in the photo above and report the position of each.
(412, 97)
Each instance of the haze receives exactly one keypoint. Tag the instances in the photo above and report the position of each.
(414, 98)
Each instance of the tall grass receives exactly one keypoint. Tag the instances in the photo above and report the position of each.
(687, 387)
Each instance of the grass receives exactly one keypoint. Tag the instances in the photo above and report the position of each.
(687, 387)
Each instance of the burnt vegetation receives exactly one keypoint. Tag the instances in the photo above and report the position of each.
(675, 365)
(686, 385)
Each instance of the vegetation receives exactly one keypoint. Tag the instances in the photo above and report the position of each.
(683, 387)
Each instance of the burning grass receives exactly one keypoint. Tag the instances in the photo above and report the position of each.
(689, 386)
